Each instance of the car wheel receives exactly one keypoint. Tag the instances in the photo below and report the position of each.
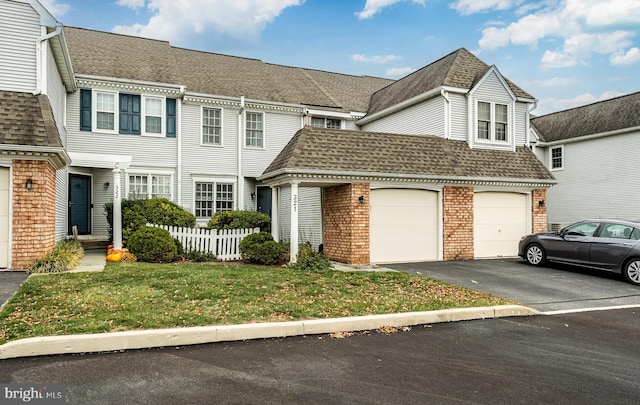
(535, 255)
(631, 271)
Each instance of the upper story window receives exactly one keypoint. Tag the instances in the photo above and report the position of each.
(326, 122)
(557, 158)
(254, 136)
(211, 126)
(493, 119)
(141, 186)
(103, 111)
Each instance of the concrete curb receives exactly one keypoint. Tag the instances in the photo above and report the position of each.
(142, 339)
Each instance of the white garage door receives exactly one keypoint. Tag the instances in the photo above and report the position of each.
(500, 220)
(4, 217)
(404, 225)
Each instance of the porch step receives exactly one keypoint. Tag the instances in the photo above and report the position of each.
(95, 244)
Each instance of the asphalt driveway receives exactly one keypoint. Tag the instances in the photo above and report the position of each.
(547, 289)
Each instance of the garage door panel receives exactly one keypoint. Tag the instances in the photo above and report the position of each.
(4, 217)
(500, 220)
(404, 225)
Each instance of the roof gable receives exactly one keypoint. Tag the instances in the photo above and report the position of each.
(598, 118)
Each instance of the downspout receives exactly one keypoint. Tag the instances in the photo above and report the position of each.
(240, 146)
(447, 113)
(179, 136)
(39, 57)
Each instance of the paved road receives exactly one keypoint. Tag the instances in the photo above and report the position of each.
(581, 358)
(554, 288)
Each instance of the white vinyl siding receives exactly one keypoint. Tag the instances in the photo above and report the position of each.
(62, 203)
(599, 180)
(425, 118)
(309, 215)
(458, 117)
(19, 29)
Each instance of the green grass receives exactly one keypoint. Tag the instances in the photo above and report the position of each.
(130, 296)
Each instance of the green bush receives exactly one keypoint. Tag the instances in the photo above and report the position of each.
(262, 249)
(240, 220)
(65, 255)
(137, 213)
(310, 260)
(153, 245)
(197, 256)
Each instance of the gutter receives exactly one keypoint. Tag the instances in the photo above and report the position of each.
(39, 57)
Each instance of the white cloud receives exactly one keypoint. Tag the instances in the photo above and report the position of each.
(398, 72)
(622, 58)
(55, 8)
(131, 3)
(174, 20)
(373, 59)
(467, 7)
(555, 82)
(373, 7)
(571, 21)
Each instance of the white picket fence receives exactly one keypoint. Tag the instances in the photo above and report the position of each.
(223, 243)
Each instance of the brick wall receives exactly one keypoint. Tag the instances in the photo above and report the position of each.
(346, 223)
(457, 206)
(538, 213)
(34, 212)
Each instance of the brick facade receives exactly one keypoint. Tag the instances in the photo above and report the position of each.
(457, 220)
(346, 223)
(538, 212)
(34, 212)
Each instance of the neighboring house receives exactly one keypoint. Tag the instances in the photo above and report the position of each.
(591, 150)
(35, 76)
(433, 166)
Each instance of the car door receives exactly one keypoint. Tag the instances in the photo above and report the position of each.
(574, 243)
(612, 244)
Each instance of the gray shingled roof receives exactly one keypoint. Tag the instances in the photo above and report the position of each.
(339, 151)
(460, 69)
(26, 119)
(605, 116)
(135, 58)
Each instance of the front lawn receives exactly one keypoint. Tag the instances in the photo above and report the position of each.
(128, 296)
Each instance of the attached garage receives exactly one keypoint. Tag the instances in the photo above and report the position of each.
(403, 225)
(500, 220)
(4, 217)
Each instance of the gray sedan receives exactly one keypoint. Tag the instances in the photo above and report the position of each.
(611, 245)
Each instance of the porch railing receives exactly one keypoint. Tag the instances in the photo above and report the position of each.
(223, 243)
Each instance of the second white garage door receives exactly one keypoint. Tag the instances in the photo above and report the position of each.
(404, 225)
(500, 220)
(4, 217)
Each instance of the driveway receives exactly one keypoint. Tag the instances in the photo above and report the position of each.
(547, 289)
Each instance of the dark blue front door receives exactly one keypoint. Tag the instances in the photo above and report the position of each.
(264, 200)
(80, 204)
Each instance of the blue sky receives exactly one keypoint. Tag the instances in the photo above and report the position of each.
(564, 52)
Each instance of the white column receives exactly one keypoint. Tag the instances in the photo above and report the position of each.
(295, 202)
(275, 213)
(117, 209)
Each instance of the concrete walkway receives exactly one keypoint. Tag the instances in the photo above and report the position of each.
(93, 260)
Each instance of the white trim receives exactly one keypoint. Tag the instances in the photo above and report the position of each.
(99, 161)
(215, 145)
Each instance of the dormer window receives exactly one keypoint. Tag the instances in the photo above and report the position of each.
(321, 122)
(493, 121)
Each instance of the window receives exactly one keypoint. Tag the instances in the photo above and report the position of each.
(493, 122)
(153, 115)
(105, 111)
(123, 113)
(254, 130)
(211, 126)
(326, 122)
(207, 202)
(557, 158)
(581, 229)
(618, 231)
(139, 186)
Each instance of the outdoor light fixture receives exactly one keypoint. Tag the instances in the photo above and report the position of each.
(29, 184)
(106, 185)
(361, 199)
(541, 203)
(253, 196)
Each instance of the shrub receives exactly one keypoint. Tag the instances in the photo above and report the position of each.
(310, 260)
(153, 245)
(197, 256)
(262, 249)
(65, 255)
(137, 213)
(240, 220)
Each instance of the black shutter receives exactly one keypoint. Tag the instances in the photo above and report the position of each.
(171, 117)
(129, 114)
(85, 110)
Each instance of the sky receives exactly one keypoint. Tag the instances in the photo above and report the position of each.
(566, 53)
